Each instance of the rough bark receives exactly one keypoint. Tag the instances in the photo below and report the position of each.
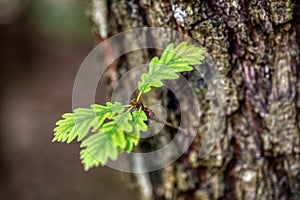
(255, 45)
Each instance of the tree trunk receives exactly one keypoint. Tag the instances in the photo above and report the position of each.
(255, 45)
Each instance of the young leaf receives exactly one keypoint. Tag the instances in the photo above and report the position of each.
(139, 118)
(97, 150)
(173, 60)
(108, 111)
(74, 125)
(132, 138)
(88, 160)
(123, 121)
(79, 123)
(115, 130)
(100, 147)
(114, 134)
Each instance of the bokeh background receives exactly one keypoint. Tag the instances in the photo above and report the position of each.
(42, 44)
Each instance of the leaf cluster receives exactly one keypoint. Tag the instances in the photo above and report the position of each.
(107, 130)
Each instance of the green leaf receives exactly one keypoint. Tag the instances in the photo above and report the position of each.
(97, 149)
(79, 123)
(108, 111)
(139, 118)
(115, 130)
(124, 121)
(172, 61)
(102, 146)
(74, 125)
(132, 138)
(114, 133)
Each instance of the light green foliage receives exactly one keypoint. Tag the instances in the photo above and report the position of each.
(111, 139)
(138, 125)
(97, 149)
(80, 122)
(173, 60)
(116, 127)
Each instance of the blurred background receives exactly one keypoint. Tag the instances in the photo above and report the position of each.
(43, 43)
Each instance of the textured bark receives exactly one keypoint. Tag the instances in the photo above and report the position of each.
(255, 45)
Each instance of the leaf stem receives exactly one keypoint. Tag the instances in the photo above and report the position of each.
(139, 96)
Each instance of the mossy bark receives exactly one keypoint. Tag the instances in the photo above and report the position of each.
(255, 45)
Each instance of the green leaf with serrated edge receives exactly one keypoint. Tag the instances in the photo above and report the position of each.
(88, 160)
(115, 130)
(173, 60)
(102, 146)
(111, 135)
(138, 120)
(80, 122)
(114, 133)
(74, 125)
(124, 121)
(157, 73)
(139, 117)
(97, 149)
(108, 111)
